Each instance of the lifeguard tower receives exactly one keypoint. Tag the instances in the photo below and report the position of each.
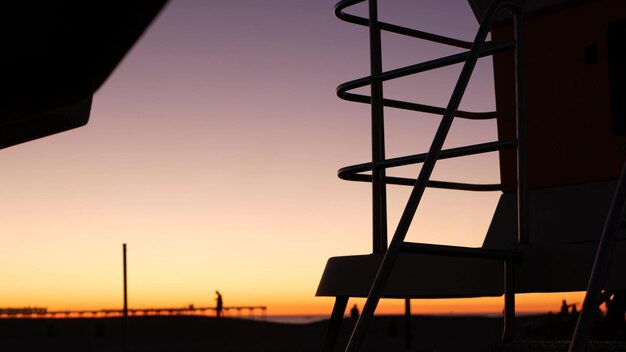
(560, 81)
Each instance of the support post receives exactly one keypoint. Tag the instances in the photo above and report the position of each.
(509, 301)
(379, 189)
(407, 324)
(334, 325)
(125, 322)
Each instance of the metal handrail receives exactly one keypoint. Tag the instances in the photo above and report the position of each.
(342, 89)
(342, 93)
(422, 181)
(363, 21)
(404, 181)
(354, 172)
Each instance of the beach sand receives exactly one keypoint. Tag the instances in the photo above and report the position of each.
(196, 333)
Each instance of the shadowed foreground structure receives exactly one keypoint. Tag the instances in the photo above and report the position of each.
(226, 334)
(194, 333)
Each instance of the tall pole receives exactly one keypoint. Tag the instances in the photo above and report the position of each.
(125, 302)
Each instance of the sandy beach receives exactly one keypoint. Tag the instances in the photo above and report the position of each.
(201, 333)
(195, 333)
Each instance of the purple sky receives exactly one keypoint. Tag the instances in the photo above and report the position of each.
(212, 151)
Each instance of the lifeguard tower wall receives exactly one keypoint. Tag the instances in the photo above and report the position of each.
(575, 67)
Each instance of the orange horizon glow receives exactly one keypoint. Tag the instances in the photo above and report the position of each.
(539, 303)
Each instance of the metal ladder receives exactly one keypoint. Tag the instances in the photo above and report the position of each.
(478, 48)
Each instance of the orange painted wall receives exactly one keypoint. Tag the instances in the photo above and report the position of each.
(570, 137)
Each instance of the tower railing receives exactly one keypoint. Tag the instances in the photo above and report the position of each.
(480, 47)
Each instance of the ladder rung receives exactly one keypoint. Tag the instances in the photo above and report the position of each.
(456, 251)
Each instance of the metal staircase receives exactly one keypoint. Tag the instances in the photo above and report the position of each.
(480, 47)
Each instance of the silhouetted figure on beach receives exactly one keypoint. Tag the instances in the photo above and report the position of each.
(564, 309)
(219, 304)
(565, 323)
(354, 312)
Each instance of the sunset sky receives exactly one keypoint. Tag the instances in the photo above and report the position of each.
(212, 152)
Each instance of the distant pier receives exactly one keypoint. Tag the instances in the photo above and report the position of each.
(247, 312)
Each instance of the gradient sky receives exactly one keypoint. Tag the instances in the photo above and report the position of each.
(212, 151)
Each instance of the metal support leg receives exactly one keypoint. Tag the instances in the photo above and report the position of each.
(334, 324)
(407, 323)
(509, 301)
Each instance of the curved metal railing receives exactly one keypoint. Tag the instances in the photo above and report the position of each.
(355, 172)
(342, 90)
(363, 21)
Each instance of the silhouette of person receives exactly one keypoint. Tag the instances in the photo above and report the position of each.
(354, 312)
(564, 309)
(219, 304)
